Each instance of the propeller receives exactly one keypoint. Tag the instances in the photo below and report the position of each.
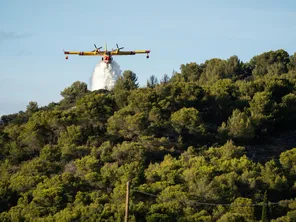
(118, 47)
(97, 49)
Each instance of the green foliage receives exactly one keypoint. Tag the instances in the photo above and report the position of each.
(186, 144)
(123, 86)
(95, 109)
(273, 176)
(238, 127)
(186, 118)
(127, 125)
(74, 92)
(152, 81)
(32, 107)
(288, 161)
(272, 62)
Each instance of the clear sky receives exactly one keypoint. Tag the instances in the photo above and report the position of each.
(33, 34)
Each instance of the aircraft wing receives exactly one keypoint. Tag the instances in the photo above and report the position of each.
(130, 52)
(94, 53)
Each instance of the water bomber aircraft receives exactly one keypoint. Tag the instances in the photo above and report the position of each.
(107, 55)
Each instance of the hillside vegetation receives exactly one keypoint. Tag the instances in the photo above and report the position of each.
(213, 142)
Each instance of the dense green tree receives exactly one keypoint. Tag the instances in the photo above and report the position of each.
(288, 161)
(187, 121)
(165, 79)
(191, 72)
(238, 127)
(93, 110)
(152, 81)
(272, 62)
(214, 69)
(142, 100)
(127, 125)
(125, 83)
(292, 64)
(285, 116)
(73, 92)
(32, 107)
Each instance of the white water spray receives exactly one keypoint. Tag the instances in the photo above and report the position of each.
(105, 75)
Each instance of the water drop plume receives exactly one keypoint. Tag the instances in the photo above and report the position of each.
(105, 75)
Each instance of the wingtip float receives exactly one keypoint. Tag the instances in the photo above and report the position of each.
(107, 56)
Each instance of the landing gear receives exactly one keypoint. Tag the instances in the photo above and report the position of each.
(147, 56)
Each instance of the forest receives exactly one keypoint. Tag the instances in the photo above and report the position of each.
(215, 141)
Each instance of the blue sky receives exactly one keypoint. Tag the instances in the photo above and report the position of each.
(33, 34)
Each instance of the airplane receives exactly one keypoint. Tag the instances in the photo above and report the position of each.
(107, 55)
